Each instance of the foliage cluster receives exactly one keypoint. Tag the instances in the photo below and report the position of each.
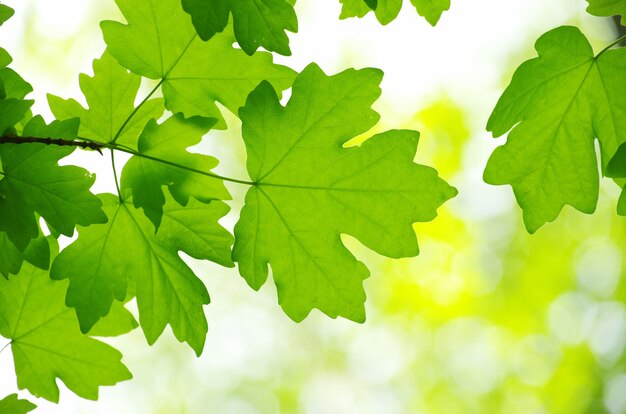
(308, 182)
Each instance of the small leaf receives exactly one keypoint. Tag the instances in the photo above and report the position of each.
(47, 343)
(111, 95)
(5, 13)
(616, 168)
(13, 405)
(5, 58)
(33, 182)
(354, 8)
(309, 190)
(10, 257)
(118, 322)
(256, 22)
(194, 74)
(13, 89)
(556, 105)
(37, 253)
(169, 141)
(14, 85)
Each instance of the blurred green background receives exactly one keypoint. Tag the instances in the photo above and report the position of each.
(488, 319)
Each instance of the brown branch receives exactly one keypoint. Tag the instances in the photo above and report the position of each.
(52, 141)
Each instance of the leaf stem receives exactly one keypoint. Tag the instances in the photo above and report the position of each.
(173, 164)
(618, 41)
(117, 183)
(132, 114)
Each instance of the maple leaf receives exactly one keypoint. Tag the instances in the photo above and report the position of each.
(145, 177)
(13, 405)
(46, 342)
(110, 95)
(256, 22)
(37, 253)
(387, 10)
(104, 257)
(308, 190)
(33, 182)
(556, 105)
(608, 8)
(160, 42)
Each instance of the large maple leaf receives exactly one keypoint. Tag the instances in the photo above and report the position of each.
(309, 189)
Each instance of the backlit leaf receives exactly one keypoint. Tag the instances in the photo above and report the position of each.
(556, 105)
(160, 42)
(309, 190)
(46, 342)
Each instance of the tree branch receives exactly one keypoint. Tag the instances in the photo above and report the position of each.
(52, 141)
(85, 143)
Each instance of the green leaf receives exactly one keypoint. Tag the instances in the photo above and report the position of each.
(12, 111)
(104, 257)
(256, 22)
(5, 58)
(145, 177)
(556, 105)
(111, 95)
(33, 182)
(10, 258)
(46, 342)
(616, 168)
(194, 74)
(5, 13)
(431, 10)
(608, 8)
(309, 190)
(14, 86)
(13, 107)
(13, 405)
(37, 253)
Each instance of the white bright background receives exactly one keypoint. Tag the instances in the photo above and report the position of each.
(251, 344)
